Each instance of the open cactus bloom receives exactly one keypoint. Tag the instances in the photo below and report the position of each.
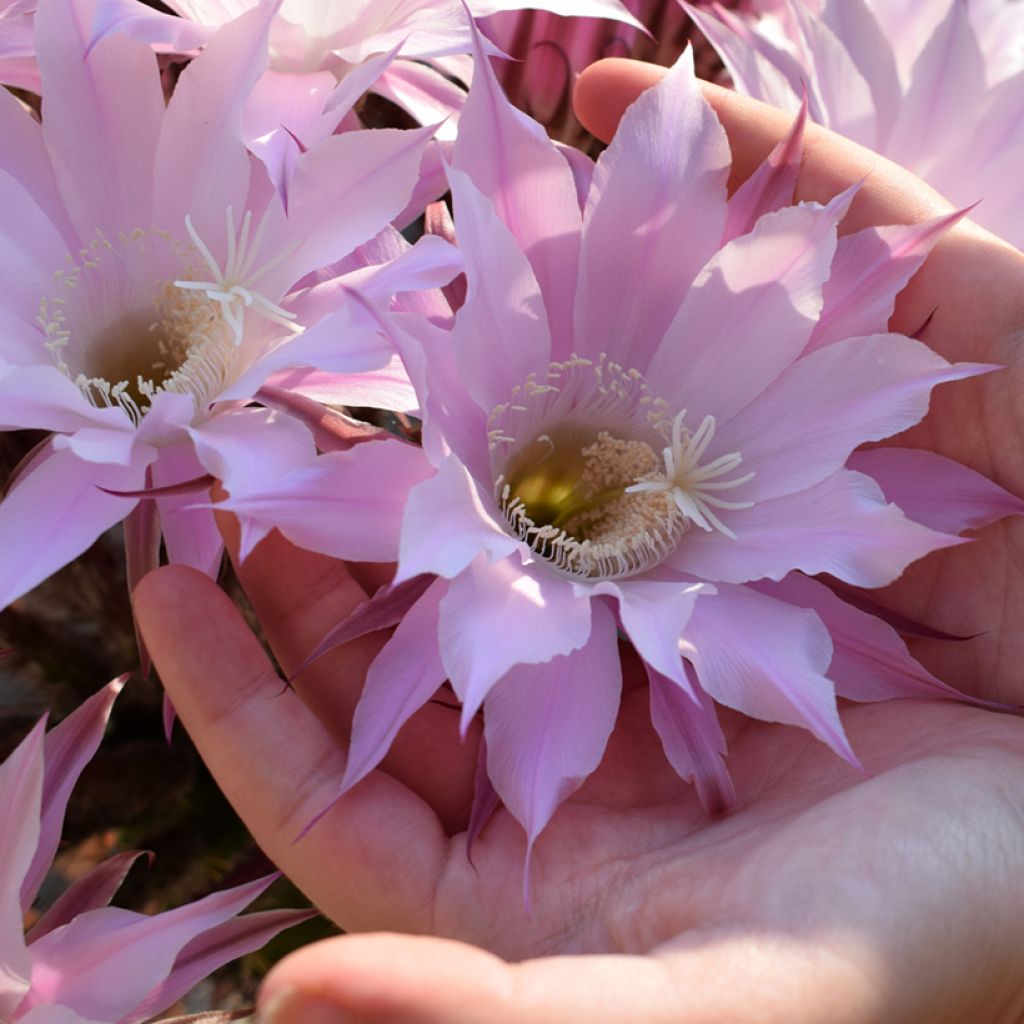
(644, 423)
(82, 961)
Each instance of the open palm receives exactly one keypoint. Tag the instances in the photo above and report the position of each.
(826, 896)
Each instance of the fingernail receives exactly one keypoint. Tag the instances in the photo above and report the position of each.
(290, 1006)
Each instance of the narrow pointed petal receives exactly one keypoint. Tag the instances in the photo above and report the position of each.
(453, 498)
(869, 270)
(202, 166)
(653, 614)
(773, 275)
(936, 491)
(403, 677)
(485, 799)
(344, 191)
(670, 140)
(68, 748)
(549, 619)
(90, 892)
(803, 427)
(870, 662)
(946, 90)
(54, 513)
(211, 950)
(168, 32)
(386, 388)
(102, 122)
(774, 669)
(510, 159)
(104, 963)
(21, 783)
(501, 334)
(771, 186)
(190, 534)
(547, 725)
(344, 504)
(842, 526)
(425, 93)
(687, 724)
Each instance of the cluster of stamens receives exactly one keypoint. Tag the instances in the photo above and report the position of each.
(181, 334)
(586, 490)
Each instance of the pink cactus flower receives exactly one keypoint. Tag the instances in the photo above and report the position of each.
(935, 85)
(84, 962)
(156, 282)
(643, 421)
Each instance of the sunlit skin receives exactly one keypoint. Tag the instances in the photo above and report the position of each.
(826, 896)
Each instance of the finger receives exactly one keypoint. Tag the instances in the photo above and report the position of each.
(297, 596)
(388, 979)
(831, 163)
(377, 853)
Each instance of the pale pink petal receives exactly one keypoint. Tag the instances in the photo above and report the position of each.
(687, 724)
(91, 891)
(841, 525)
(24, 156)
(43, 398)
(450, 497)
(759, 69)
(33, 251)
(386, 388)
(770, 187)
(55, 512)
(403, 677)
(510, 159)
(936, 491)
(945, 92)
(547, 726)
(567, 8)
(423, 92)
(190, 534)
(717, 355)
(343, 192)
(853, 22)
(869, 270)
(496, 616)
(202, 166)
(671, 141)
(343, 504)
(245, 447)
(653, 614)
(68, 748)
(102, 120)
(21, 786)
(843, 96)
(165, 32)
(766, 659)
(211, 950)
(802, 428)
(869, 662)
(105, 962)
(501, 333)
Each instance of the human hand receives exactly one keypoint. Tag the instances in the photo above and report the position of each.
(824, 897)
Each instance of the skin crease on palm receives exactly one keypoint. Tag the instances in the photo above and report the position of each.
(826, 896)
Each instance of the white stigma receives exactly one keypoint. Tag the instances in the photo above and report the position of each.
(233, 288)
(694, 487)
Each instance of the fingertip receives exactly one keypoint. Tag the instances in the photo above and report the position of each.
(606, 88)
(166, 590)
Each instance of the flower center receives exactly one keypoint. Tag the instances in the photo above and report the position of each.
(130, 320)
(578, 477)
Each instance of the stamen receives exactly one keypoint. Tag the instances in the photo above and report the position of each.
(232, 287)
(690, 483)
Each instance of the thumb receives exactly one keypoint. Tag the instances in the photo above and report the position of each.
(387, 979)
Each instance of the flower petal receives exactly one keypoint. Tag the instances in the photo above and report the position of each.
(496, 616)
(803, 427)
(547, 726)
(686, 721)
(767, 659)
(841, 525)
(671, 141)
